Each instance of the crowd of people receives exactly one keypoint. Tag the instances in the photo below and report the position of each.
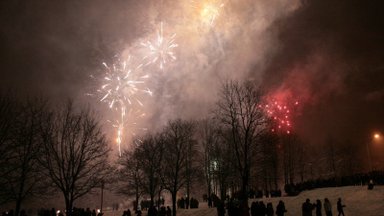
(153, 211)
(308, 207)
(258, 208)
(75, 212)
(186, 203)
(233, 208)
(377, 177)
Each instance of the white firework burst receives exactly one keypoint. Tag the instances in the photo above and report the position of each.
(161, 49)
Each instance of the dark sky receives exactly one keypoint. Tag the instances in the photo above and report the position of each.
(328, 54)
(332, 54)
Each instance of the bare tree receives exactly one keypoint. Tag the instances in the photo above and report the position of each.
(330, 153)
(149, 154)
(302, 160)
(23, 177)
(223, 166)
(9, 109)
(75, 153)
(238, 111)
(269, 160)
(294, 157)
(178, 136)
(192, 169)
(130, 176)
(208, 137)
(217, 158)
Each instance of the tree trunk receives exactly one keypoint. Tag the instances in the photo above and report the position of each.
(187, 201)
(68, 206)
(159, 198)
(152, 200)
(137, 199)
(18, 206)
(21, 190)
(244, 198)
(174, 203)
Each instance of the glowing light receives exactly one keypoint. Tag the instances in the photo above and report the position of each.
(122, 86)
(161, 50)
(209, 10)
(376, 136)
(128, 121)
(122, 83)
(280, 114)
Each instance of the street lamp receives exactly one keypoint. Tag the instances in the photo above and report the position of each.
(369, 158)
(377, 137)
(102, 197)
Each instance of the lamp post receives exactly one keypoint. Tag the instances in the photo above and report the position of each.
(369, 158)
(376, 137)
(102, 197)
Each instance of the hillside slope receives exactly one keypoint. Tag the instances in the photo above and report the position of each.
(358, 200)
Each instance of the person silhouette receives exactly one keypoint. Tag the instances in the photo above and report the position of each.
(327, 207)
(280, 209)
(340, 207)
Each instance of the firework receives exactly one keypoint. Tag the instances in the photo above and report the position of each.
(280, 113)
(122, 86)
(161, 50)
(130, 122)
(208, 10)
(127, 122)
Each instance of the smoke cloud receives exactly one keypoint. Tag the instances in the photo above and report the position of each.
(326, 54)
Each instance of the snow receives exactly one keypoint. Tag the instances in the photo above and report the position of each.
(358, 200)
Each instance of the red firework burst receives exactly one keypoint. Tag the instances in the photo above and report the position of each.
(281, 114)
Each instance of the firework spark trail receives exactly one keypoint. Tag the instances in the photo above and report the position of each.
(120, 130)
(161, 50)
(122, 86)
(129, 121)
(208, 10)
(280, 113)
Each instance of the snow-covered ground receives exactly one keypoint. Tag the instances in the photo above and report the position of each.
(358, 200)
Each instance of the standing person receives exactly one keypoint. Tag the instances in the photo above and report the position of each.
(253, 208)
(150, 211)
(327, 207)
(169, 211)
(307, 208)
(220, 208)
(318, 208)
(262, 208)
(280, 209)
(269, 209)
(209, 202)
(163, 211)
(340, 207)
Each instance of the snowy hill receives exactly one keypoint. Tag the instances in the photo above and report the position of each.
(358, 200)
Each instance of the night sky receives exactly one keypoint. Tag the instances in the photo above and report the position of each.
(327, 54)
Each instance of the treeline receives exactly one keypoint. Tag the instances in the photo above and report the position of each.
(231, 153)
(221, 151)
(45, 148)
(376, 177)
